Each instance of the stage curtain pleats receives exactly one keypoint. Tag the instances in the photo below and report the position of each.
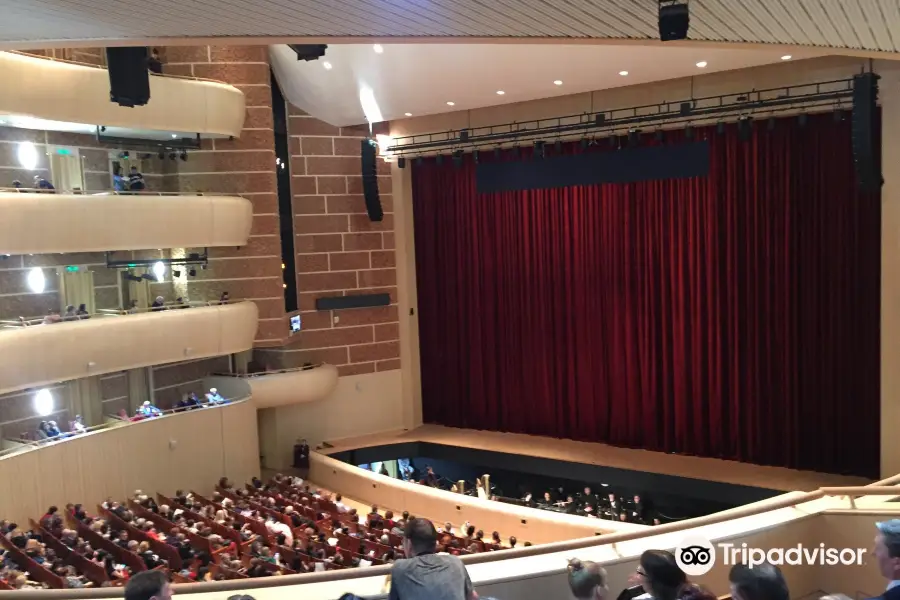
(734, 315)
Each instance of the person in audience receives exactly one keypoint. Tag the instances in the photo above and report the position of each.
(135, 180)
(78, 425)
(158, 304)
(887, 555)
(147, 410)
(70, 314)
(214, 397)
(147, 555)
(82, 312)
(120, 182)
(760, 582)
(17, 184)
(52, 317)
(133, 308)
(587, 580)
(339, 504)
(513, 541)
(41, 183)
(148, 585)
(301, 455)
(424, 575)
(662, 578)
(154, 65)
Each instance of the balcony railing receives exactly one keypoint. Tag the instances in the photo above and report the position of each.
(24, 190)
(106, 312)
(103, 67)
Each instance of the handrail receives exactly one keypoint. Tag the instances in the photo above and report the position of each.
(69, 435)
(113, 312)
(878, 488)
(24, 190)
(103, 67)
(278, 372)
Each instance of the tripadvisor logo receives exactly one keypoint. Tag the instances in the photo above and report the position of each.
(696, 555)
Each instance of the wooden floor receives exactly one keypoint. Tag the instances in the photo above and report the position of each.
(710, 469)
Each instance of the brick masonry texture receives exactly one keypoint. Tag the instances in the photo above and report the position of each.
(339, 252)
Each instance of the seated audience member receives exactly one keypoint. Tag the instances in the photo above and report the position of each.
(214, 397)
(133, 308)
(51, 521)
(158, 304)
(78, 425)
(147, 410)
(224, 298)
(587, 580)
(887, 555)
(424, 575)
(148, 585)
(147, 555)
(42, 184)
(301, 455)
(154, 65)
(52, 317)
(662, 578)
(135, 180)
(761, 582)
(70, 314)
(82, 312)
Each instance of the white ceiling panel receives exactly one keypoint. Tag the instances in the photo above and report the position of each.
(854, 24)
(421, 79)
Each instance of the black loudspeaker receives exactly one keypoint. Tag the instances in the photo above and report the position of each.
(370, 180)
(129, 78)
(865, 125)
(674, 20)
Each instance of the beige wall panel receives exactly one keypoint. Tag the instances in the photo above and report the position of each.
(44, 354)
(117, 461)
(48, 223)
(70, 93)
(293, 387)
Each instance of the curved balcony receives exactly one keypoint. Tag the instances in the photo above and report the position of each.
(39, 353)
(42, 223)
(292, 386)
(71, 93)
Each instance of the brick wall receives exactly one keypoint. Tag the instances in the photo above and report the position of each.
(244, 166)
(339, 252)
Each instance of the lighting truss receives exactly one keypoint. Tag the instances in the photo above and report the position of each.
(812, 97)
(191, 259)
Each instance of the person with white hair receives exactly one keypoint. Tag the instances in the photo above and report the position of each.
(147, 410)
(158, 304)
(214, 397)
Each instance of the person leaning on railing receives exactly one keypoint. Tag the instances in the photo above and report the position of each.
(426, 575)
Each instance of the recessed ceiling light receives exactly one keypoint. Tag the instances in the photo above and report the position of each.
(557, 82)
(408, 114)
(174, 135)
(623, 73)
(786, 57)
(451, 104)
(377, 48)
(701, 64)
(327, 65)
(500, 92)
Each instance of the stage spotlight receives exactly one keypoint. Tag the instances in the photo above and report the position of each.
(674, 20)
(660, 136)
(172, 156)
(801, 119)
(771, 124)
(162, 155)
(599, 119)
(475, 156)
(176, 273)
(540, 151)
(720, 128)
(497, 153)
(439, 159)
(458, 158)
(584, 143)
(838, 115)
(192, 272)
(419, 161)
(688, 132)
(613, 140)
(401, 163)
(634, 136)
(309, 51)
(557, 147)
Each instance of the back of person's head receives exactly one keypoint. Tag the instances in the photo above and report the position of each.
(421, 536)
(148, 585)
(662, 574)
(587, 580)
(760, 582)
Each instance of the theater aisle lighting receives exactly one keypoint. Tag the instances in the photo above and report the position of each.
(558, 82)
(378, 48)
(28, 155)
(159, 270)
(43, 402)
(36, 280)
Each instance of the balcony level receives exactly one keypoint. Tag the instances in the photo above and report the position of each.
(42, 223)
(51, 94)
(38, 353)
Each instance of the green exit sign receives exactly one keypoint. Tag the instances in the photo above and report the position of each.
(72, 268)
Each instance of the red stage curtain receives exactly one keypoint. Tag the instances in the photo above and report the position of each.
(732, 316)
